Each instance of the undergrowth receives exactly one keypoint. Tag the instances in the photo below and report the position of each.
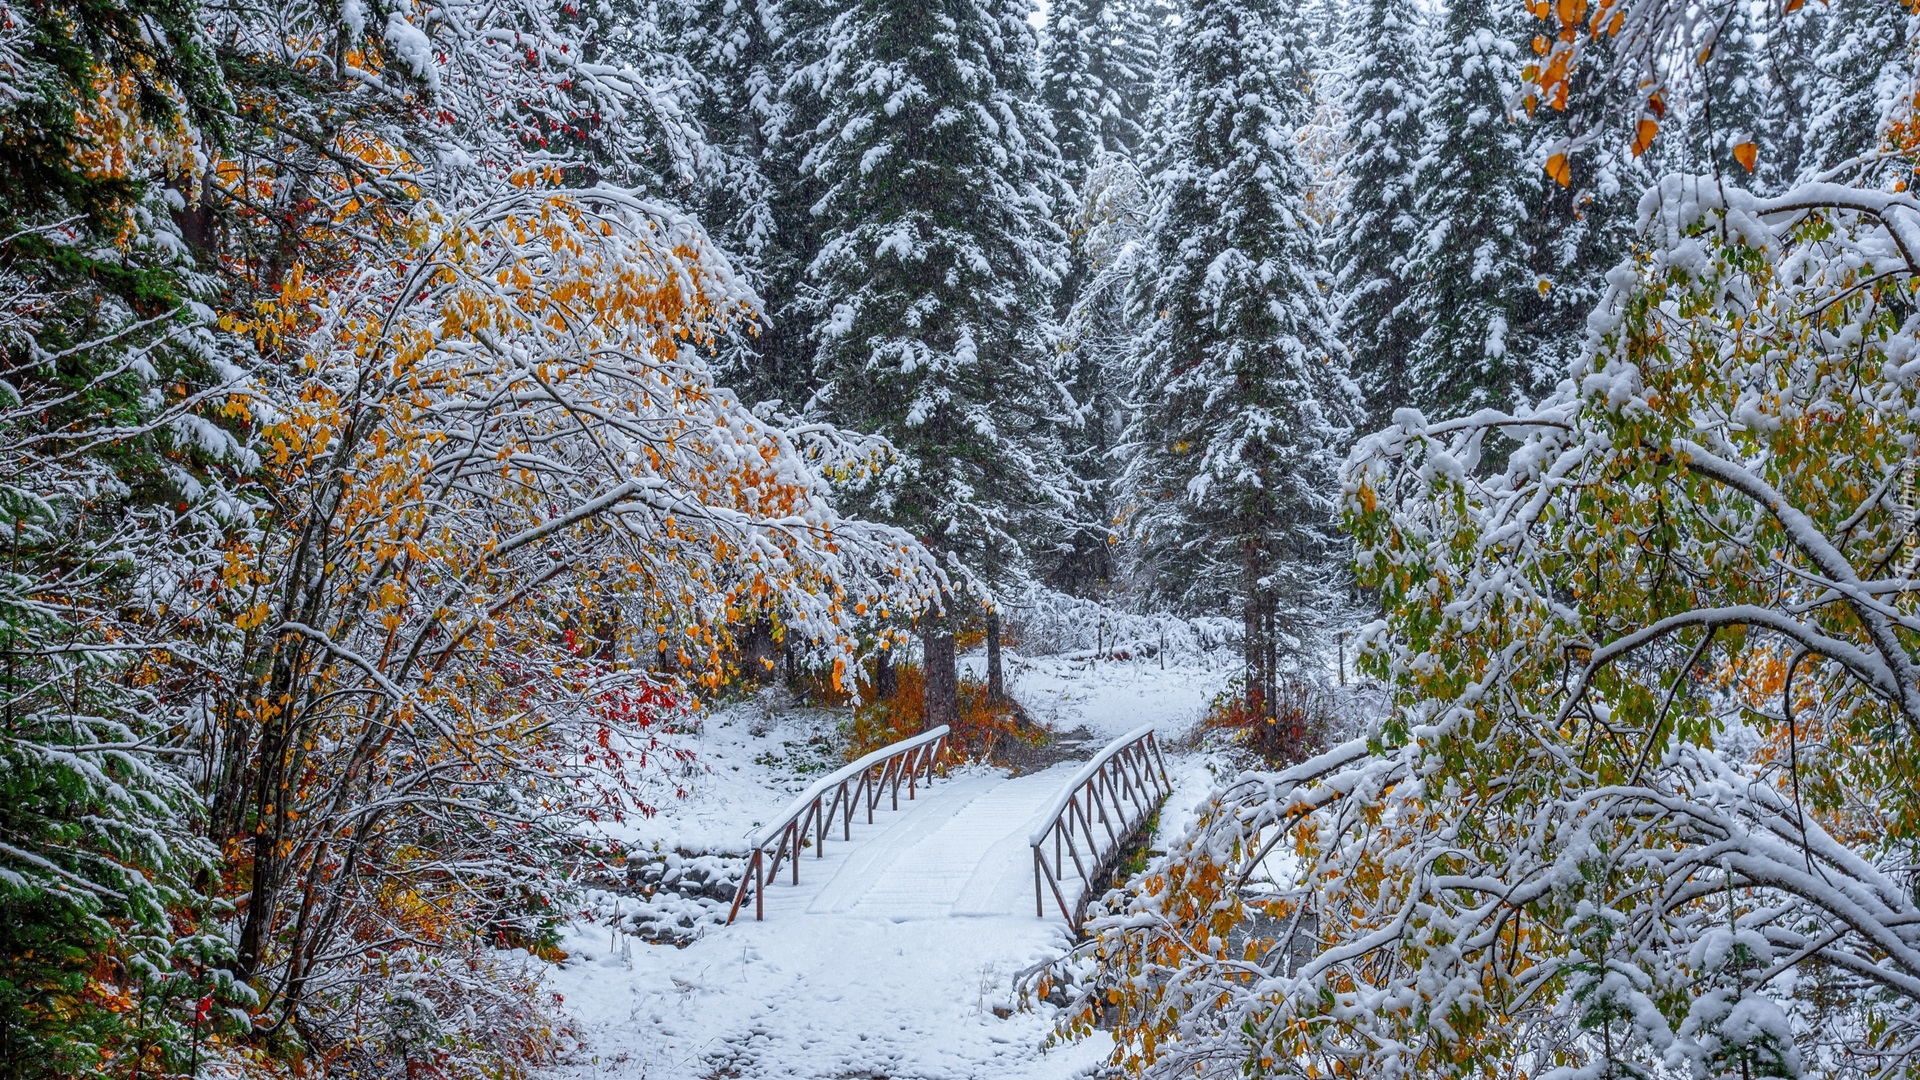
(1300, 721)
(984, 725)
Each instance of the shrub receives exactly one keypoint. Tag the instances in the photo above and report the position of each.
(984, 724)
(1300, 721)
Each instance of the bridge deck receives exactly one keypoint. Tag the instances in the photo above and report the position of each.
(960, 851)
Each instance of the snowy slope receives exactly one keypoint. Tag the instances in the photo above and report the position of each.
(1110, 697)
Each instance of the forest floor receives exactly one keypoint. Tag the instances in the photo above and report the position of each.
(894, 957)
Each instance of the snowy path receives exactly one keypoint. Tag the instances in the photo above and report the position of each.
(886, 961)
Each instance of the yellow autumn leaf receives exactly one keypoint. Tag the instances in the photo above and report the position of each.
(1561, 170)
(1643, 134)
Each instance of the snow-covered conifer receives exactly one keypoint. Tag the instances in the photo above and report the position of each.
(1865, 78)
(938, 261)
(1479, 191)
(1245, 402)
(1378, 223)
(1098, 76)
(730, 59)
(1733, 107)
(1582, 220)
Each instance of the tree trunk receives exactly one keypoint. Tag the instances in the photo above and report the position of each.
(942, 674)
(996, 676)
(759, 649)
(1254, 647)
(1271, 662)
(886, 682)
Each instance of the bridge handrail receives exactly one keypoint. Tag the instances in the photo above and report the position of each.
(809, 812)
(1126, 781)
(845, 772)
(1059, 804)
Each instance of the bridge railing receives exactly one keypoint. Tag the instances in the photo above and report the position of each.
(840, 795)
(1089, 822)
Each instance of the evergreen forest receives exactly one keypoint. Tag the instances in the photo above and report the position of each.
(420, 421)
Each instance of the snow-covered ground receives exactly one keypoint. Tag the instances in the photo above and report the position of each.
(894, 956)
(1111, 697)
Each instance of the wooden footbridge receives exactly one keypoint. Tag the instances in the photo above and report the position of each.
(882, 838)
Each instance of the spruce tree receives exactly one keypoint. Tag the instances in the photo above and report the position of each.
(1732, 107)
(1098, 77)
(1792, 72)
(783, 348)
(929, 292)
(1480, 190)
(1246, 402)
(103, 496)
(730, 50)
(1865, 75)
(1377, 228)
(1582, 221)
(1098, 81)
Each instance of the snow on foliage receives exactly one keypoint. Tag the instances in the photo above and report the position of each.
(1643, 804)
(374, 515)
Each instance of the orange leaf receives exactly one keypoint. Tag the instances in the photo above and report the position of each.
(1746, 154)
(1643, 135)
(1559, 168)
(1793, 6)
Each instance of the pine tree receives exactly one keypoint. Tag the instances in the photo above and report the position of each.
(1865, 76)
(1791, 70)
(103, 484)
(1583, 219)
(1243, 379)
(1377, 228)
(780, 364)
(729, 48)
(730, 53)
(1480, 191)
(1733, 107)
(1099, 77)
(930, 289)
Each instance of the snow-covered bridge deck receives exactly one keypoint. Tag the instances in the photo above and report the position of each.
(961, 849)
